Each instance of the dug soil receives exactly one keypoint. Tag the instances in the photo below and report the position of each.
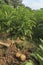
(12, 54)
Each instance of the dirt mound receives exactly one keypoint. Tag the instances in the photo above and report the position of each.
(12, 55)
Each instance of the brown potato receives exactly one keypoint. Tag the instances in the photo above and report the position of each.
(23, 57)
(18, 54)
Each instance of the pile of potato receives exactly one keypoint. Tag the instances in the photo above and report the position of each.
(21, 56)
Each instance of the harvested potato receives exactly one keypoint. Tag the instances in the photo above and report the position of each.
(18, 54)
(23, 57)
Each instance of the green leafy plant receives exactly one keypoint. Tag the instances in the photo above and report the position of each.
(28, 63)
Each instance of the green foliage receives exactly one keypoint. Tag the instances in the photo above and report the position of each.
(5, 17)
(14, 3)
(38, 54)
(28, 63)
(16, 21)
(38, 32)
(22, 21)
